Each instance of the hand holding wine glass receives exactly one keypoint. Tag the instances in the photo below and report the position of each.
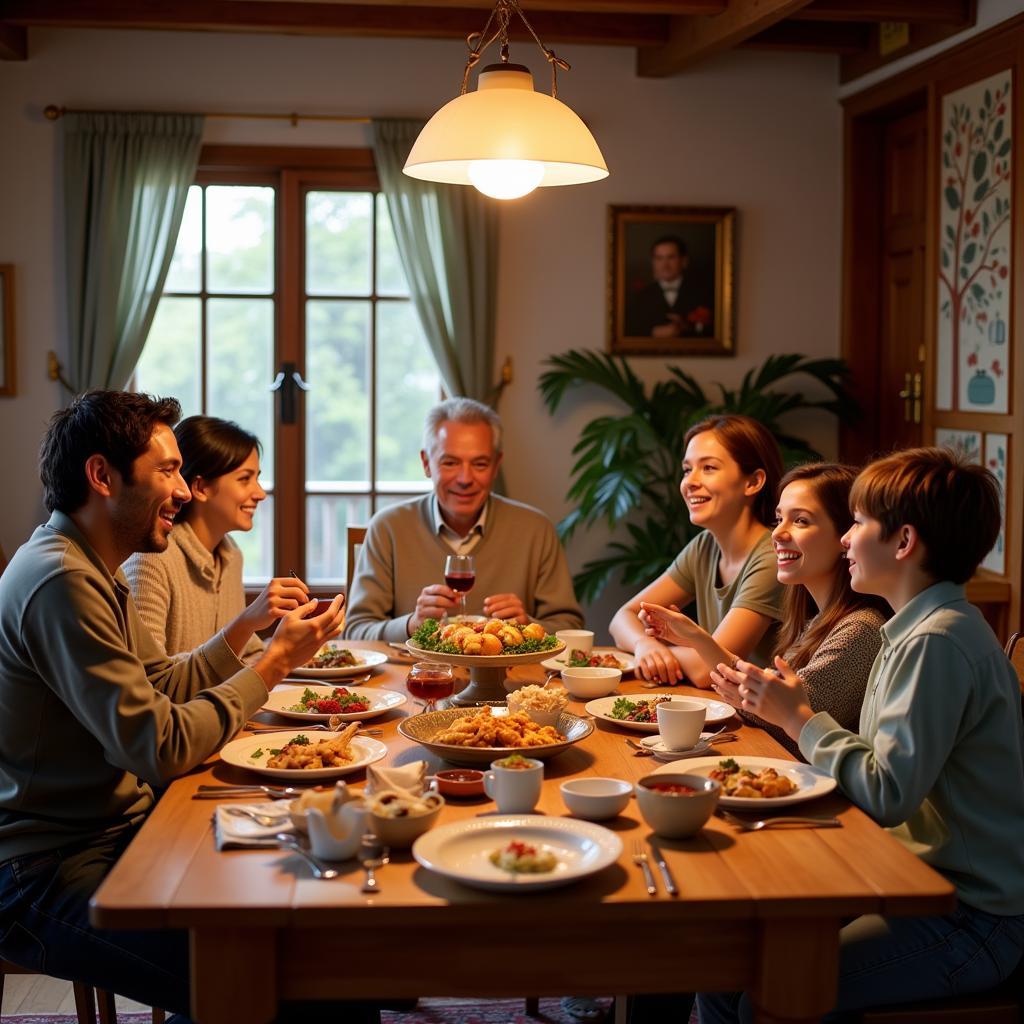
(460, 575)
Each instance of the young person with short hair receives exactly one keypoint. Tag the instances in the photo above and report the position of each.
(938, 756)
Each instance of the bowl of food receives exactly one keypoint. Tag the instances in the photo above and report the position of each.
(544, 704)
(596, 799)
(398, 819)
(590, 683)
(459, 782)
(676, 805)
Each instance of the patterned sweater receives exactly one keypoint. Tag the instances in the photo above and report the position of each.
(186, 594)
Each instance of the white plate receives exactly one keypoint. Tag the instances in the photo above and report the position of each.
(239, 753)
(380, 701)
(557, 664)
(811, 782)
(367, 660)
(461, 850)
(656, 745)
(718, 711)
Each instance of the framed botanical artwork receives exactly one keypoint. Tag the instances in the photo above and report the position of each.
(6, 329)
(670, 280)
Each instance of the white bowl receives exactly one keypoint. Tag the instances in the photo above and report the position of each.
(402, 832)
(672, 815)
(591, 683)
(596, 799)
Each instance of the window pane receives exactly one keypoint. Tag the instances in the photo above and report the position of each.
(390, 275)
(184, 273)
(240, 239)
(257, 544)
(337, 403)
(240, 353)
(338, 243)
(407, 386)
(169, 365)
(327, 520)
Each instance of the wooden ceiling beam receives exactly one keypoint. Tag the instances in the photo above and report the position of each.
(13, 42)
(812, 37)
(302, 18)
(696, 38)
(936, 12)
(531, 7)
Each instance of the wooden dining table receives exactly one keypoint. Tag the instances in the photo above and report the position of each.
(757, 911)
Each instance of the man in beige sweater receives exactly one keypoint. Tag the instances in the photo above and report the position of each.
(521, 572)
(92, 715)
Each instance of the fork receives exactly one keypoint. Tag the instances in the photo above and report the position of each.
(763, 823)
(641, 859)
(266, 820)
(372, 855)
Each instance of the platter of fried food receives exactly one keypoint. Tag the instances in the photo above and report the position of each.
(302, 756)
(489, 642)
(758, 783)
(475, 736)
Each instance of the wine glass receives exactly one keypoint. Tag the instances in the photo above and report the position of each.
(430, 681)
(460, 575)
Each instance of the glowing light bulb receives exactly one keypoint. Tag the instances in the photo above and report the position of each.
(505, 179)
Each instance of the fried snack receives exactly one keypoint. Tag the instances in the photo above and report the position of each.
(324, 754)
(533, 631)
(510, 636)
(482, 643)
(487, 730)
(765, 784)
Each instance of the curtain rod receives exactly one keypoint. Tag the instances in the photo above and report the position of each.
(54, 113)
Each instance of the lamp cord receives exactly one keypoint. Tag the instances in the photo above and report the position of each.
(478, 42)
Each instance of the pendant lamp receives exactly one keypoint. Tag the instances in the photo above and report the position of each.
(505, 139)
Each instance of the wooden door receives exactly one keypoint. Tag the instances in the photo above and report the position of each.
(902, 291)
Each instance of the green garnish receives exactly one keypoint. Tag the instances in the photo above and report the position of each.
(301, 740)
(728, 765)
(622, 707)
(274, 751)
(255, 754)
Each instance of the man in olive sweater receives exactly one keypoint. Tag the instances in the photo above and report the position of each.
(521, 572)
(92, 715)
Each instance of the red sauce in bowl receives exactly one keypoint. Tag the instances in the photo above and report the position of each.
(672, 788)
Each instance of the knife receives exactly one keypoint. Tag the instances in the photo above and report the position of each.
(666, 875)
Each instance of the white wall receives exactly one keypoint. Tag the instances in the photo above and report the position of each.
(761, 132)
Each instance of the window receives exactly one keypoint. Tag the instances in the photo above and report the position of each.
(275, 271)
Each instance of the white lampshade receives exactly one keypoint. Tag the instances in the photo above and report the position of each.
(505, 139)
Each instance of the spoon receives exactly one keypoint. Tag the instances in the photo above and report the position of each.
(290, 843)
(266, 820)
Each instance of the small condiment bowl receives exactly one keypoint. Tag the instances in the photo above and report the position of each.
(459, 782)
(402, 832)
(677, 815)
(590, 683)
(596, 799)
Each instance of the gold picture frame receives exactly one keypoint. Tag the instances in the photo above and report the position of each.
(7, 330)
(670, 280)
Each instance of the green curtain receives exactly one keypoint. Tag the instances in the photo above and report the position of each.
(447, 238)
(126, 179)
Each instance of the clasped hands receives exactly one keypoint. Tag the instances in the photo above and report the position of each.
(438, 600)
(778, 696)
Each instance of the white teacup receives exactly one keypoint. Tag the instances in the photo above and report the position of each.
(575, 640)
(680, 722)
(515, 790)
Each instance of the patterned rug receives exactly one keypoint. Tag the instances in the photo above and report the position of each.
(433, 1011)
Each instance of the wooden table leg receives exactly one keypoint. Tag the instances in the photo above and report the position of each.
(234, 975)
(798, 968)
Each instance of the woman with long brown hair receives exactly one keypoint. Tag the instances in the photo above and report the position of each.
(829, 633)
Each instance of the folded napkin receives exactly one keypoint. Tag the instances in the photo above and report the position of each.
(237, 831)
(407, 778)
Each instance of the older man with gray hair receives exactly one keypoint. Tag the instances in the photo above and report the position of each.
(521, 571)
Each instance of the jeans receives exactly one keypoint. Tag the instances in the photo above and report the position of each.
(44, 926)
(904, 959)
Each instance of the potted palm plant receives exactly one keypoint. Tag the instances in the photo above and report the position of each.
(627, 467)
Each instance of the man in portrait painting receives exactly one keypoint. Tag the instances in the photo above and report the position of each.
(675, 304)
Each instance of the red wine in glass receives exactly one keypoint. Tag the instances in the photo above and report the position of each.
(430, 682)
(460, 575)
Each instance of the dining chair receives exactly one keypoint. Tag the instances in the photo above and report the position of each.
(1015, 652)
(355, 536)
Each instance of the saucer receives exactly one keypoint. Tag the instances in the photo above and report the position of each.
(656, 745)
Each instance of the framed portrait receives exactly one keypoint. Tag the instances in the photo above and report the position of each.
(670, 280)
(6, 329)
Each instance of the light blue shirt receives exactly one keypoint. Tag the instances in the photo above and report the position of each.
(939, 759)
